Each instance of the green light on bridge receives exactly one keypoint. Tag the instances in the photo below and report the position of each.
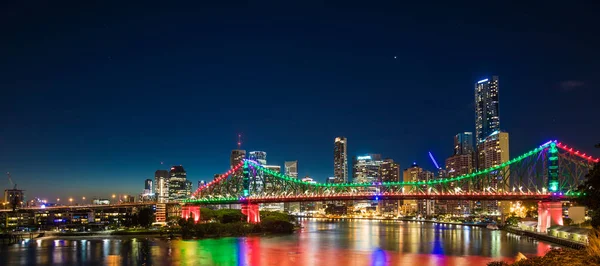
(553, 186)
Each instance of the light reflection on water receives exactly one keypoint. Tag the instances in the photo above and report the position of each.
(350, 242)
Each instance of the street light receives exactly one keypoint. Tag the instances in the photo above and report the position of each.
(71, 201)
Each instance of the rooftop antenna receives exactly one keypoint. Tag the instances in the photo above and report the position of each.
(239, 143)
(434, 162)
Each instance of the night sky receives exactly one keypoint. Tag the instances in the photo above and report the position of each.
(95, 97)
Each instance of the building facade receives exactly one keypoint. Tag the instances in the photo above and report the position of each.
(493, 151)
(425, 207)
(411, 174)
(389, 171)
(291, 168)
(236, 157)
(487, 116)
(179, 187)
(457, 165)
(340, 160)
(366, 168)
(161, 187)
(463, 143)
(258, 156)
(268, 186)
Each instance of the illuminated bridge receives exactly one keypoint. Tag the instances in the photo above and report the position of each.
(549, 173)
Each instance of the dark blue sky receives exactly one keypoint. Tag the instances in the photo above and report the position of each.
(94, 97)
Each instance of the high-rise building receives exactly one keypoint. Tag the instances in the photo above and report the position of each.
(425, 207)
(236, 157)
(269, 186)
(179, 187)
(291, 168)
(389, 171)
(148, 186)
(366, 168)
(457, 165)
(463, 143)
(411, 174)
(161, 188)
(259, 156)
(340, 160)
(487, 117)
(493, 151)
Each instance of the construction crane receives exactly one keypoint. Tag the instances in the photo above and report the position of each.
(10, 180)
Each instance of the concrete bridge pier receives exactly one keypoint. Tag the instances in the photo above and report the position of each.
(191, 211)
(549, 214)
(251, 211)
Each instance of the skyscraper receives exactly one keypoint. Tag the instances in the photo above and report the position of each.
(236, 157)
(148, 186)
(457, 165)
(340, 160)
(463, 143)
(487, 117)
(291, 168)
(493, 151)
(366, 168)
(179, 187)
(161, 188)
(259, 156)
(389, 171)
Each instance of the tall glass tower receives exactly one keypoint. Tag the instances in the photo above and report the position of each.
(340, 160)
(487, 117)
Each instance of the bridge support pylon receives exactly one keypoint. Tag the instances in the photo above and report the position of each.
(251, 211)
(191, 211)
(549, 214)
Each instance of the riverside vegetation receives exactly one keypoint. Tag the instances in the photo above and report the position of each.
(228, 222)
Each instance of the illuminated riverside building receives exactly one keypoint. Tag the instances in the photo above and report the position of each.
(161, 187)
(179, 187)
(461, 163)
(258, 156)
(411, 174)
(487, 116)
(291, 168)
(365, 169)
(493, 151)
(389, 171)
(268, 184)
(340, 160)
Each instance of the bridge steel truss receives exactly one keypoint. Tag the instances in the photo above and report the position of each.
(525, 177)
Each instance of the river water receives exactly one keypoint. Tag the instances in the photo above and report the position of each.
(349, 242)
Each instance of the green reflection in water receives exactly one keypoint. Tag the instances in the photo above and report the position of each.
(223, 251)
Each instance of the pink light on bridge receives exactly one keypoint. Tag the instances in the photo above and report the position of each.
(578, 153)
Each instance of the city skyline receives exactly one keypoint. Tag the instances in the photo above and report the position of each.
(86, 112)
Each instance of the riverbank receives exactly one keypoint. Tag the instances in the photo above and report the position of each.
(545, 237)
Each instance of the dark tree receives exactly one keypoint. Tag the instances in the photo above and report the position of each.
(591, 193)
(145, 217)
(206, 214)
